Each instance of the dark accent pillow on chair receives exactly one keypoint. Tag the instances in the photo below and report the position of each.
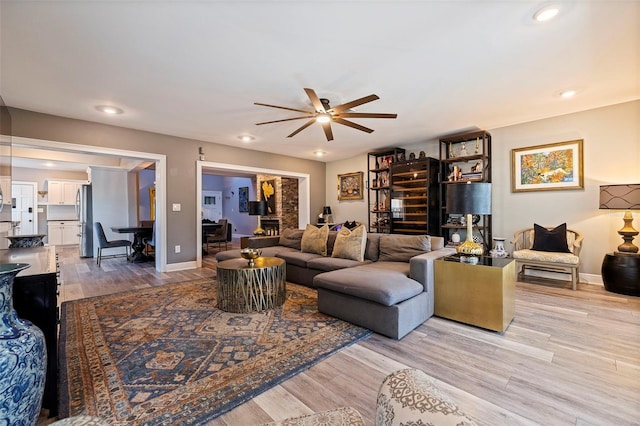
(550, 240)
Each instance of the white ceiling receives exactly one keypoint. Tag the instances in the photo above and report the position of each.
(195, 68)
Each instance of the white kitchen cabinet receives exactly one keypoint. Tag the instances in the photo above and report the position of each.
(62, 193)
(63, 232)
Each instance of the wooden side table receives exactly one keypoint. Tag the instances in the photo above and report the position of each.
(621, 273)
(244, 289)
(481, 294)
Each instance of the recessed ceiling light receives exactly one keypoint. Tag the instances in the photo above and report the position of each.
(246, 138)
(108, 109)
(546, 13)
(319, 153)
(49, 164)
(568, 93)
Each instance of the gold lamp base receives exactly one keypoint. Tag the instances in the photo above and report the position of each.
(470, 247)
(259, 232)
(628, 232)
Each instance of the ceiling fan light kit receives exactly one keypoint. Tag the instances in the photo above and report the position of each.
(325, 114)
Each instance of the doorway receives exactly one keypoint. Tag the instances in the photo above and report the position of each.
(23, 209)
(304, 202)
(160, 182)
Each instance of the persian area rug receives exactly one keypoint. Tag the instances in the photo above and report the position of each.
(167, 355)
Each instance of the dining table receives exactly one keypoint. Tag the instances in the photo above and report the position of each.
(137, 247)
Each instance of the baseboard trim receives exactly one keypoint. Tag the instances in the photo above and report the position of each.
(172, 267)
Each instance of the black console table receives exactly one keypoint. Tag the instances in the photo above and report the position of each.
(35, 298)
(621, 273)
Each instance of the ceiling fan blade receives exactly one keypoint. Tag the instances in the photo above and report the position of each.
(367, 115)
(285, 119)
(315, 100)
(343, 107)
(301, 128)
(352, 124)
(327, 131)
(281, 107)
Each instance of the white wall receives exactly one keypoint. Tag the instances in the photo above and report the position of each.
(611, 156)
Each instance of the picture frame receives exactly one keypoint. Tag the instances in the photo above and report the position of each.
(549, 167)
(243, 199)
(351, 186)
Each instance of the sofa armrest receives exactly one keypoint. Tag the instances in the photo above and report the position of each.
(421, 266)
(260, 242)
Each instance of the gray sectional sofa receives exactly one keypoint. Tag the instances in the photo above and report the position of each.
(390, 291)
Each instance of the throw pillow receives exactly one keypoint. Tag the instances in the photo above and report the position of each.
(314, 240)
(401, 248)
(550, 240)
(291, 238)
(350, 244)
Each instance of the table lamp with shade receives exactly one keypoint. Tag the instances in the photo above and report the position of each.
(327, 215)
(621, 269)
(623, 197)
(258, 208)
(469, 198)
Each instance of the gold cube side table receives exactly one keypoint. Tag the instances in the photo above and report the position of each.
(481, 294)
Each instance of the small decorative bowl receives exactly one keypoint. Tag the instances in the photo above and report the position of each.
(251, 255)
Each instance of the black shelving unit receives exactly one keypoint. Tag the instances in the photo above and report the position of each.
(464, 157)
(379, 185)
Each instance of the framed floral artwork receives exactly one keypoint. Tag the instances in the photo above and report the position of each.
(556, 166)
(350, 186)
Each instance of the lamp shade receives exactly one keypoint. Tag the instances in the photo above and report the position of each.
(469, 198)
(326, 210)
(257, 208)
(620, 197)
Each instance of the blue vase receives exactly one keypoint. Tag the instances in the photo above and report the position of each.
(23, 358)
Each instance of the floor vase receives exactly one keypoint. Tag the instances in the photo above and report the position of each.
(23, 358)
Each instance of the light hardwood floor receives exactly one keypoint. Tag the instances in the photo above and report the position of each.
(568, 357)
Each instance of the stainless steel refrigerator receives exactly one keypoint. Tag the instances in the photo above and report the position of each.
(85, 217)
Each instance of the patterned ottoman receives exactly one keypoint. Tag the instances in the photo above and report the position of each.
(410, 397)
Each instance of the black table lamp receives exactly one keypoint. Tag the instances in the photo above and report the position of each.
(258, 208)
(327, 215)
(623, 197)
(469, 198)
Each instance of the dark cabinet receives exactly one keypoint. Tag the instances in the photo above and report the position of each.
(414, 197)
(35, 298)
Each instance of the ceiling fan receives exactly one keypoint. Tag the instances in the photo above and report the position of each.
(325, 114)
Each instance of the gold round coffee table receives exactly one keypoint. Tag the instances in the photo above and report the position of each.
(243, 289)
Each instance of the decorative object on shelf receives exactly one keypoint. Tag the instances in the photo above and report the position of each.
(422, 155)
(412, 156)
(350, 186)
(463, 150)
(23, 357)
(469, 198)
(556, 166)
(455, 237)
(450, 150)
(477, 146)
(258, 208)
(498, 248)
(251, 255)
(623, 197)
(401, 157)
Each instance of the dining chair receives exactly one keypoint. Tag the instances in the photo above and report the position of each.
(103, 243)
(150, 242)
(220, 236)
